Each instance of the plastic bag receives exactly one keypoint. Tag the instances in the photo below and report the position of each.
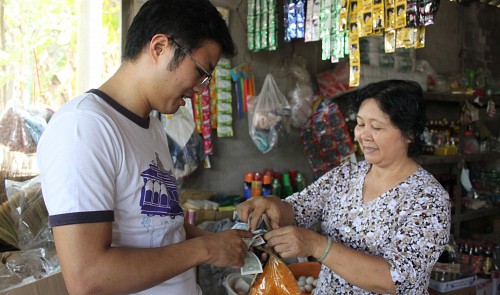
(29, 214)
(21, 267)
(20, 129)
(270, 119)
(185, 145)
(301, 96)
(468, 113)
(334, 82)
(277, 279)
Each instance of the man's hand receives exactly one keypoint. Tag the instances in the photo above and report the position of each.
(227, 248)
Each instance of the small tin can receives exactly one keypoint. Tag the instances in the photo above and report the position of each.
(191, 216)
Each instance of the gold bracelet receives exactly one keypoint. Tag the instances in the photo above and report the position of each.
(328, 246)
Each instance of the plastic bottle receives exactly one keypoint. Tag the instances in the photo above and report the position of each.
(247, 185)
(488, 261)
(266, 185)
(257, 185)
(477, 258)
(300, 182)
(276, 191)
(287, 186)
(465, 256)
(293, 176)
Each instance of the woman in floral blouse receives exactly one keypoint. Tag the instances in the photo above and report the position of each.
(385, 220)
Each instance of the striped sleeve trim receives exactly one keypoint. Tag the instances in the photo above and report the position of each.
(81, 217)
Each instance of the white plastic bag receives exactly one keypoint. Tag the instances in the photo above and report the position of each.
(186, 146)
(270, 119)
(301, 96)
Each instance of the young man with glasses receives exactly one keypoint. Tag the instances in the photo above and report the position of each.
(106, 169)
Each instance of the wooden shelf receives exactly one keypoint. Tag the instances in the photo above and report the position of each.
(471, 214)
(456, 98)
(434, 159)
(452, 159)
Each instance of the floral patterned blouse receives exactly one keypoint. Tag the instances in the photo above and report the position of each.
(408, 225)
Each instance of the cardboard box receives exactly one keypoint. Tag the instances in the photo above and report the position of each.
(484, 287)
(452, 285)
(448, 267)
(464, 291)
(495, 282)
(51, 285)
(204, 209)
(195, 195)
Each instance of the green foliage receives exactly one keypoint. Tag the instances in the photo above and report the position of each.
(40, 51)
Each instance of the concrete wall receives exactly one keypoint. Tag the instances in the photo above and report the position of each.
(235, 156)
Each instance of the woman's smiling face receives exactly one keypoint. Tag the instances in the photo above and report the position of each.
(381, 142)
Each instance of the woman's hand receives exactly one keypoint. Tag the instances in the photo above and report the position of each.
(275, 209)
(294, 241)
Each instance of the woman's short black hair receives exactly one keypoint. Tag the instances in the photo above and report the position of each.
(403, 102)
(188, 22)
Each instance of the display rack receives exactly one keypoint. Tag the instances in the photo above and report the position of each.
(459, 216)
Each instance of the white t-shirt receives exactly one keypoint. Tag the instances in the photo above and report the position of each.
(99, 162)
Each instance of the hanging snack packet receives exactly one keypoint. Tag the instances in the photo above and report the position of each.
(378, 16)
(312, 21)
(301, 15)
(421, 14)
(353, 17)
(224, 99)
(251, 25)
(354, 61)
(411, 14)
(258, 27)
(290, 20)
(277, 279)
(431, 7)
(273, 26)
(264, 25)
(421, 37)
(400, 14)
(390, 17)
(344, 14)
(365, 19)
(390, 41)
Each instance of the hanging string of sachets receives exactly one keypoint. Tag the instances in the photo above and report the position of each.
(262, 27)
(340, 23)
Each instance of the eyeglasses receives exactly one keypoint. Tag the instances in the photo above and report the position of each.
(208, 76)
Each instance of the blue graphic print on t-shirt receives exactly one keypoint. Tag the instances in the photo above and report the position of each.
(159, 193)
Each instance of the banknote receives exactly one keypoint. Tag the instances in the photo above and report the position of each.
(252, 264)
(254, 241)
(241, 225)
